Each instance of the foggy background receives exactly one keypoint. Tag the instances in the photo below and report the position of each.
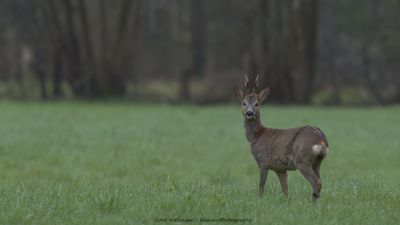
(332, 52)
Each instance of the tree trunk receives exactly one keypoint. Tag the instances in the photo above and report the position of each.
(284, 47)
(184, 80)
(57, 73)
(198, 36)
(371, 85)
(77, 80)
(40, 70)
(305, 25)
(278, 55)
(88, 67)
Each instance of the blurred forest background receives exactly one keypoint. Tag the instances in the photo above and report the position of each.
(332, 52)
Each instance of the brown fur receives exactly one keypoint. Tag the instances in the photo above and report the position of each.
(282, 150)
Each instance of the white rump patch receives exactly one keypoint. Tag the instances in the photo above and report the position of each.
(317, 149)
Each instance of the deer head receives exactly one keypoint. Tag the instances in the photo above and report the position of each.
(250, 99)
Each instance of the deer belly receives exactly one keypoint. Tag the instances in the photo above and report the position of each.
(291, 166)
(277, 163)
(282, 165)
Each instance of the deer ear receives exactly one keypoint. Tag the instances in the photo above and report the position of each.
(238, 93)
(263, 94)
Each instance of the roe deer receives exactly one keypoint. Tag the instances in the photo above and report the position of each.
(280, 150)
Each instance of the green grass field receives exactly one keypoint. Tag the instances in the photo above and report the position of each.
(116, 163)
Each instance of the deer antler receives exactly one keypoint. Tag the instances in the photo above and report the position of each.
(246, 82)
(256, 84)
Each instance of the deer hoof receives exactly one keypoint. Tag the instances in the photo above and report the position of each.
(315, 197)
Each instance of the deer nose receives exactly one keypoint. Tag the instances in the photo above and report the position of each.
(249, 113)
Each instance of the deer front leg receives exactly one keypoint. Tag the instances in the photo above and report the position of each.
(283, 180)
(263, 179)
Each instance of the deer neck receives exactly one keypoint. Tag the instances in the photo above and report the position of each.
(254, 129)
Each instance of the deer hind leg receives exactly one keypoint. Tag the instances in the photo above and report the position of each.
(316, 167)
(283, 181)
(263, 179)
(310, 175)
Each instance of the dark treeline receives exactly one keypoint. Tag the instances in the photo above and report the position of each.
(308, 51)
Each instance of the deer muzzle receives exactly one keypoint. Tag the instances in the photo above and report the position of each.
(249, 114)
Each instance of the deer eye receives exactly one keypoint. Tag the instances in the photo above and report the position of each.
(256, 105)
(244, 103)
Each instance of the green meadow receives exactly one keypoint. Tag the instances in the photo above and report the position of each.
(119, 163)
